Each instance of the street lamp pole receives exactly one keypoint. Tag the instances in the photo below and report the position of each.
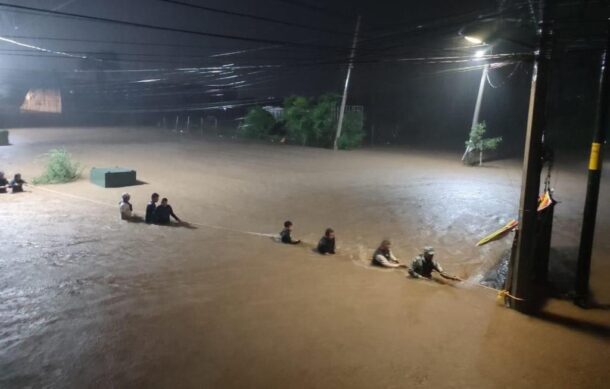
(477, 106)
(346, 86)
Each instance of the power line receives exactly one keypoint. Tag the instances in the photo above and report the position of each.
(316, 8)
(253, 17)
(163, 28)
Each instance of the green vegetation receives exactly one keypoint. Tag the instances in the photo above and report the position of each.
(298, 121)
(352, 134)
(307, 122)
(476, 142)
(60, 168)
(258, 124)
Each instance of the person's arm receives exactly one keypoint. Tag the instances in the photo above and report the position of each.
(149, 214)
(292, 241)
(442, 273)
(322, 248)
(413, 270)
(332, 247)
(393, 258)
(287, 238)
(383, 261)
(172, 214)
(450, 277)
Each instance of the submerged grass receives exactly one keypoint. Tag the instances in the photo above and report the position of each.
(60, 168)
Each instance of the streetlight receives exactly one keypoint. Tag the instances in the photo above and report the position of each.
(473, 39)
(483, 33)
(478, 56)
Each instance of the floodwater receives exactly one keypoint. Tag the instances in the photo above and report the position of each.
(89, 301)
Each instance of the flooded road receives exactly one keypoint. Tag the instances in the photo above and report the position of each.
(89, 301)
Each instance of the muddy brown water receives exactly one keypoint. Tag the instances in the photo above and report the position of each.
(89, 301)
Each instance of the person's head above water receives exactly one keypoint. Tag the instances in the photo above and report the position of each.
(1, 174)
(329, 233)
(288, 224)
(154, 197)
(125, 196)
(428, 252)
(18, 176)
(164, 201)
(385, 245)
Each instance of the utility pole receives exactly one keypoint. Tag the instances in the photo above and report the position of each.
(345, 88)
(477, 106)
(524, 259)
(593, 183)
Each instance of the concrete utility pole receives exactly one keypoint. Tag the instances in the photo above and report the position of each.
(477, 106)
(524, 259)
(345, 88)
(595, 173)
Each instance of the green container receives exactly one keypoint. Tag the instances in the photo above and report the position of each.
(4, 138)
(113, 177)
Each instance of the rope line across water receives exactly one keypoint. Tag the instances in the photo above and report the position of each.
(501, 293)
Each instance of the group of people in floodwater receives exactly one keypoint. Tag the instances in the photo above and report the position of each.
(15, 185)
(155, 214)
(421, 267)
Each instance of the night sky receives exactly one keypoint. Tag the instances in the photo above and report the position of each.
(414, 74)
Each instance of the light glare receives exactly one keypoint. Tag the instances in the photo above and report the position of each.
(473, 39)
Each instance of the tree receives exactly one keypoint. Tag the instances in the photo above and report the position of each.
(258, 124)
(476, 142)
(308, 122)
(297, 117)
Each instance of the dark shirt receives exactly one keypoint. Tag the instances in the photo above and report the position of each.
(17, 185)
(326, 245)
(286, 237)
(162, 214)
(3, 184)
(150, 213)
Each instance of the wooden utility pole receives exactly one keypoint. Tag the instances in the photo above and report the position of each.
(345, 88)
(593, 183)
(523, 262)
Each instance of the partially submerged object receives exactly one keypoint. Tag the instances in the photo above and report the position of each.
(500, 233)
(544, 201)
(4, 138)
(113, 177)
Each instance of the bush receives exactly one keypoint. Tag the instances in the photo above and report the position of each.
(258, 124)
(324, 118)
(352, 132)
(298, 120)
(60, 168)
(476, 142)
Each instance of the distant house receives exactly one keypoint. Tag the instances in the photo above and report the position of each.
(42, 100)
